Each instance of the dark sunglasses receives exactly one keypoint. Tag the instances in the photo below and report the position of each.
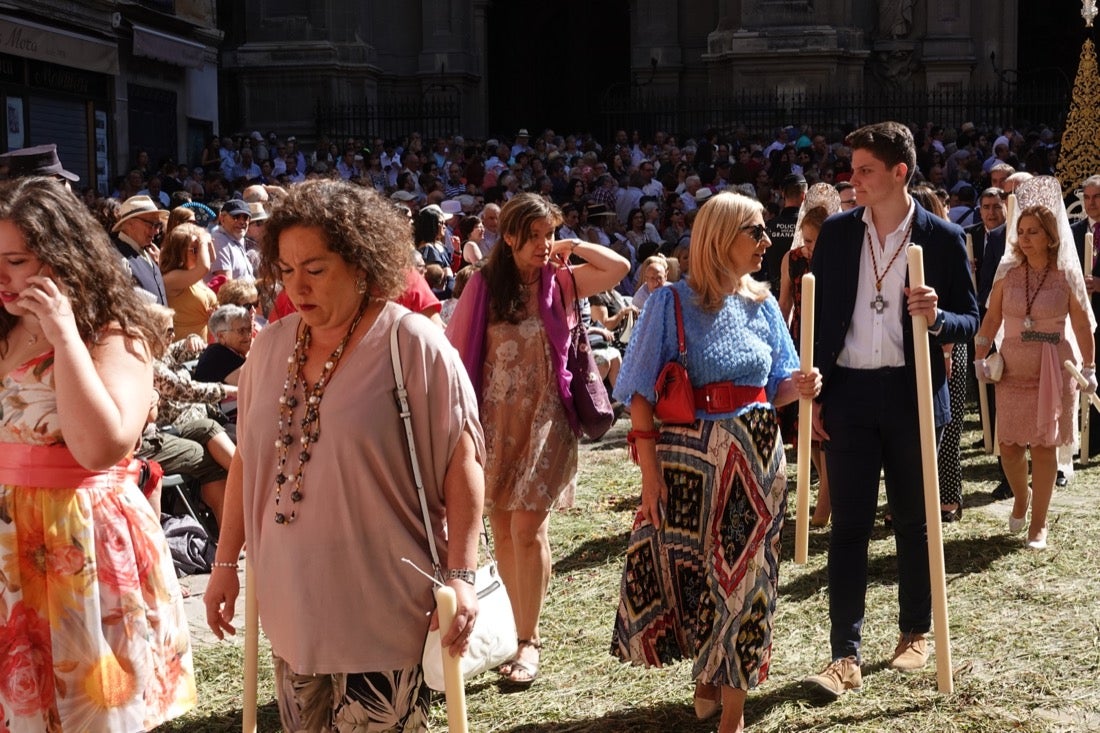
(756, 231)
(250, 306)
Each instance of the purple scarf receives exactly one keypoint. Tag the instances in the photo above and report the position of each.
(470, 321)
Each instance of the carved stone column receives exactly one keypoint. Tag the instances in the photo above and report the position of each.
(787, 45)
(947, 49)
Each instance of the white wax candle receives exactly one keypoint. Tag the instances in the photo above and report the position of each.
(970, 259)
(805, 427)
(454, 687)
(1088, 253)
(251, 649)
(1010, 210)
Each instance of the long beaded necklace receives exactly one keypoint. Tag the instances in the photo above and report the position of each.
(311, 420)
(1029, 297)
(879, 304)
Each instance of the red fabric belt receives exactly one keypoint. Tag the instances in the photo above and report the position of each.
(53, 467)
(726, 396)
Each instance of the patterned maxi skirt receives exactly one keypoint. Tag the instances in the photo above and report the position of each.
(704, 586)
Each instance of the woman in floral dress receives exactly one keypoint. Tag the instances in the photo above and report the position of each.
(510, 328)
(93, 635)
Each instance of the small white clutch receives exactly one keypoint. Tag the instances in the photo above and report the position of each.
(996, 365)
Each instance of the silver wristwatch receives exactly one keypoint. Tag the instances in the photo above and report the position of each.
(464, 574)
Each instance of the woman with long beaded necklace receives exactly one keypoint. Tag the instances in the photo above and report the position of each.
(1039, 286)
(321, 486)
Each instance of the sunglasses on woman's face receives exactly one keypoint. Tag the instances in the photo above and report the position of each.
(756, 231)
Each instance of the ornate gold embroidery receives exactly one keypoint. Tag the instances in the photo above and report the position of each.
(1080, 156)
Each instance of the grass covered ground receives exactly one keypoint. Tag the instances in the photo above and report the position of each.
(1024, 630)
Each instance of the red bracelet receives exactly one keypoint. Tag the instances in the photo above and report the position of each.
(635, 435)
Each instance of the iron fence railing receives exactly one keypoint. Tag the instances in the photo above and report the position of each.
(390, 118)
(762, 111)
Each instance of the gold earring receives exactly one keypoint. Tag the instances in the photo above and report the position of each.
(361, 286)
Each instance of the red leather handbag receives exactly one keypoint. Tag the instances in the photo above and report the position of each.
(675, 396)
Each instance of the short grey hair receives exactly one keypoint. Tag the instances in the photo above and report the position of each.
(222, 318)
(1091, 181)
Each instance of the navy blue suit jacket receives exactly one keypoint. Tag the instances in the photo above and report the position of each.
(836, 267)
(1079, 228)
(994, 251)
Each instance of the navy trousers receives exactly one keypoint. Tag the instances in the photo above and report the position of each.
(871, 418)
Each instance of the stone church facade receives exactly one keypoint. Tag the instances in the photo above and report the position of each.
(281, 58)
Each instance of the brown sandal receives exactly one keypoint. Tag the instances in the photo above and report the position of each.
(529, 670)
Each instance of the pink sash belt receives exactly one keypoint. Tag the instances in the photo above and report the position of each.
(1050, 394)
(53, 467)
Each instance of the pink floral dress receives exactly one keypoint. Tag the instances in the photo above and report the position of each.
(93, 633)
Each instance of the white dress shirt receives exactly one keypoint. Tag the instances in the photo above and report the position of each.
(875, 340)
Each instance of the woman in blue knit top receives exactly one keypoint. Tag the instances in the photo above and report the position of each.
(702, 565)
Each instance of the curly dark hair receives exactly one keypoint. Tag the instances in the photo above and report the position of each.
(60, 231)
(506, 289)
(358, 224)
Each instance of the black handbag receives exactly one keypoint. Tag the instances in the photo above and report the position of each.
(590, 400)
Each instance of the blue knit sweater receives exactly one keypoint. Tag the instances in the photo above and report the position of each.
(745, 342)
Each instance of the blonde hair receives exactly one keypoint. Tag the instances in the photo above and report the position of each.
(719, 222)
(238, 292)
(1047, 222)
(161, 318)
(657, 260)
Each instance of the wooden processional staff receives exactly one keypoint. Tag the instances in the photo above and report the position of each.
(937, 572)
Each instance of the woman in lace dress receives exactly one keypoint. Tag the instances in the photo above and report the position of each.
(510, 328)
(93, 634)
(1039, 286)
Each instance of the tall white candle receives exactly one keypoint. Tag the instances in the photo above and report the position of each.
(251, 649)
(453, 685)
(930, 474)
(805, 427)
(970, 259)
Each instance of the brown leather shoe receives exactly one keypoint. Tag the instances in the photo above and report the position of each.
(842, 675)
(911, 652)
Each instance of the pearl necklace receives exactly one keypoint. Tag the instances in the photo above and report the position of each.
(310, 423)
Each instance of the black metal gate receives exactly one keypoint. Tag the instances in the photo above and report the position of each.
(392, 118)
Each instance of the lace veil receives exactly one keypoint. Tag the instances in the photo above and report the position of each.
(1047, 191)
(819, 194)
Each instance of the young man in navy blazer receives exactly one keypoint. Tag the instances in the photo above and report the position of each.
(867, 411)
